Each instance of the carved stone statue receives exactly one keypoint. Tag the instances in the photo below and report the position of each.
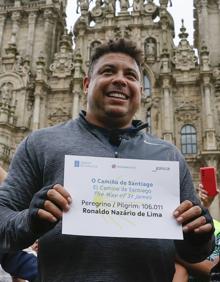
(138, 5)
(93, 46)
(82, 5)
(97, 10)
(110, 6)
(150, 47)
(124, 5)
(6, 92)
(77, 6)
(98, 3)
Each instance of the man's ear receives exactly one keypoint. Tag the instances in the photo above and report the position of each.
(141, 91)
(86, 81)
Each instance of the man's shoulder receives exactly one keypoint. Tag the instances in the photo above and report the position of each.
(51, 135)
(58, 128)
(162, 147)
(154, 140)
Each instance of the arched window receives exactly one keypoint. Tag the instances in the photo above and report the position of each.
(147, 86)
(93, 45)
(188, 140)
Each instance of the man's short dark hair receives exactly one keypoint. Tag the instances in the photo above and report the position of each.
(116, 46)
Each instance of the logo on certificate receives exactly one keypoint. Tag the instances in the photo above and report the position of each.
(76, 163)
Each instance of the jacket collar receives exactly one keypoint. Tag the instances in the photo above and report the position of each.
(115, 136)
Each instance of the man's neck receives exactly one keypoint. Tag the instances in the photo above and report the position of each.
(110, 124)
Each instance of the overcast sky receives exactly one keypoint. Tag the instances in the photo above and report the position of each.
(181, 9)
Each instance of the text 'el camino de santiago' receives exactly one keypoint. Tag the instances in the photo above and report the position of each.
(126, 202)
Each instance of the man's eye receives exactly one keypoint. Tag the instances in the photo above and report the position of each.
(132, 75)
(107, 71)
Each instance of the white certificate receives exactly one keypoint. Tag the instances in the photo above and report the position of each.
(122, 197)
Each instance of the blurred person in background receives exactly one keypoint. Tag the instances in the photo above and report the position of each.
(21, 265)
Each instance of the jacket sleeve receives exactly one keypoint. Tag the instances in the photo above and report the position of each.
(194, 247)
(16, 192)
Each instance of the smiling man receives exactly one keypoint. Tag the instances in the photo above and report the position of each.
(33, 198)
(114, 91)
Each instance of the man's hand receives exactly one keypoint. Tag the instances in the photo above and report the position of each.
(47, 207)
(190, 216)
(57, 201)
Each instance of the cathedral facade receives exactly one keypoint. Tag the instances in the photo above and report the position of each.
(41, 70)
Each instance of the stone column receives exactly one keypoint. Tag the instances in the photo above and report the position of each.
(209, 127)
(208, 111)
(39, 91)
(2, 26)
(15, 26)
(167, 104)
(75, 107)
(77, 80)
(164, 33)
(36, 112)
(31, 33)
(204, 26)
(54, 39)
(48, 24)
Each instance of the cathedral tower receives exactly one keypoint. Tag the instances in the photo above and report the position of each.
(30, 33)
(207, 22)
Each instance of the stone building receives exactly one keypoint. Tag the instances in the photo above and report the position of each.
(41, 72)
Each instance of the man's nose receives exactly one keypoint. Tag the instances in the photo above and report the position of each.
(119, 80)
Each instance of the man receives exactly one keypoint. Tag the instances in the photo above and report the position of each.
(33, 199)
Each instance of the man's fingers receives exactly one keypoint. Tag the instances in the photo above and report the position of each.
(190, 214)
(190, 217)
(59, 188)
(195, 224)
(46, 216)
(59, 196)
(204, 228)
(57, 200)
(184, 206)
(52, 209)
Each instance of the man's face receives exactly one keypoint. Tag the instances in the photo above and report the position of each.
(114, 91)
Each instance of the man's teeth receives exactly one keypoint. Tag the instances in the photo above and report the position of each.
(117, 95)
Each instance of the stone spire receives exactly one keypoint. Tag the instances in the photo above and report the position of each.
(63, 60)
(184, 58)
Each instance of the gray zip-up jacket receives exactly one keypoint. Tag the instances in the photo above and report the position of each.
(39, 163)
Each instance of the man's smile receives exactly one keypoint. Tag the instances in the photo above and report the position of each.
(117, 95)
